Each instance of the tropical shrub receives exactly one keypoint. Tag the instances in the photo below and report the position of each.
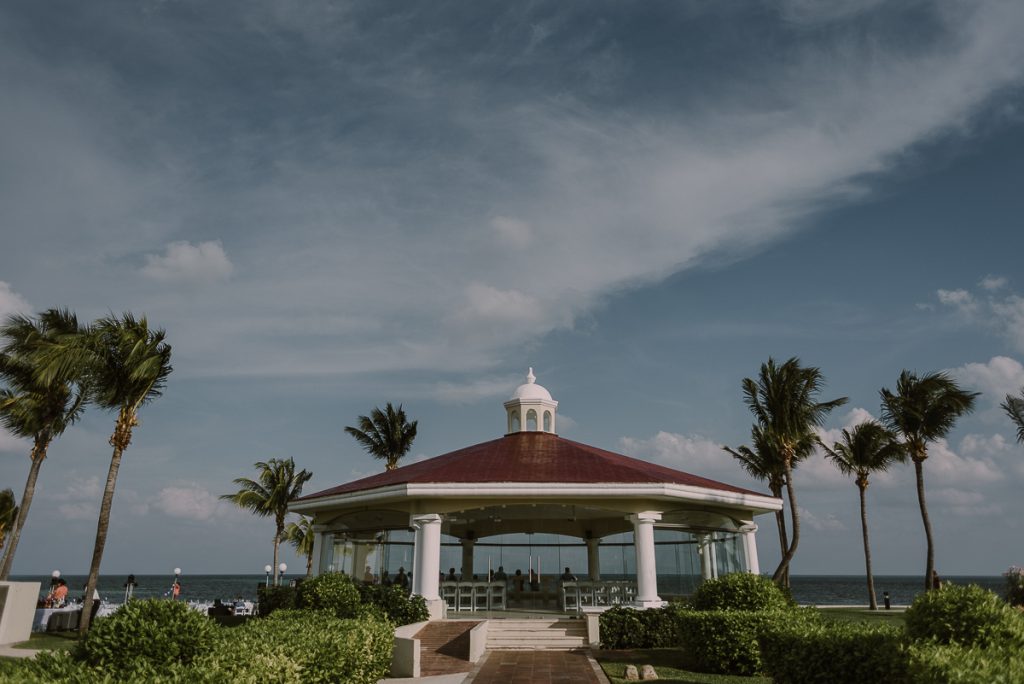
(152, 633)
(930, 663)
(725, 641)
(833, 653)
(396, 603)
(623, 627)
(273, 598)
(967, 615)
(300, 646)
(739, 591)
(1015, 585)
(334, 592)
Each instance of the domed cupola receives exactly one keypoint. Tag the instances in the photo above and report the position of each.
(531, 408)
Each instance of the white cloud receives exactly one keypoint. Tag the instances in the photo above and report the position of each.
(1003, 313)
(11, 302)
(991, 282)
(190, 501)
(690, 453)
(512, 232)
(959, 299)
(999, 376)
(826, 523)
(11, 444)
(466, 392)
(963, 502)
(205, 261)
(947, 467)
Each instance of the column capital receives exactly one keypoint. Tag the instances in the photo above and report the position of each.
(644, 517)
(417, 519)
(749, 527)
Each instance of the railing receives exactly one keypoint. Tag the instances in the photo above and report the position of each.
(576, 596)
(474, 596)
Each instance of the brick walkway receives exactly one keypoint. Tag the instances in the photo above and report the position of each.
(535, 667)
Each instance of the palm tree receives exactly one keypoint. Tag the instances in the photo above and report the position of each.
(784, 402)
(300, 535)
(8, 514)
(385, 434)
(278, 485)
(922, 410)
(763, 463)
(869, 448)
(29, 408)
(1014, 407)
(127, 364)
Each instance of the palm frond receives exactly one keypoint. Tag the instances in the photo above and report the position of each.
(1014, 407)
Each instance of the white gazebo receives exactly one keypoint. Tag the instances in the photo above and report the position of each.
(493, 496)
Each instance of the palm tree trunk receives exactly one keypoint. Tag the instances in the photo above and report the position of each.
(780, 522)
(309, 562)
(783, 568)
(38, 456)
(929, 568)
(872, 601)
(277, 542)
(119, 440)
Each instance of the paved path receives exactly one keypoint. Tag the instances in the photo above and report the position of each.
(11, 652)
(537, 667)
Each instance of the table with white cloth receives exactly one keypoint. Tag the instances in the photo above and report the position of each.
(56, 619)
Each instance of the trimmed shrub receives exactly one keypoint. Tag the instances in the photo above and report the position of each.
(630, 628)
(273, 598)
(834, 653)
(725, 641)
(334, 592)
(154, 634)
(301, 646)
(1014, 585)
(739, 591)
(956, 664)
(968, 615)
(396, 603)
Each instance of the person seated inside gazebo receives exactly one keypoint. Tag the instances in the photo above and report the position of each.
(401, 579)
(385, 580)
(500, 575)
(452, 577)
(368, 577)
(567, 576)
(518, 580)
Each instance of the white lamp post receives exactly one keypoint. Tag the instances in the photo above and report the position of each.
(54, 576)
(281, 568)
(267, 569)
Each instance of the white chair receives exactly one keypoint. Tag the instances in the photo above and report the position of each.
(586, 599)
(481, 596)
(465, 596)
(570, 597)
(496, 596)
(449, 592)
(601, 596)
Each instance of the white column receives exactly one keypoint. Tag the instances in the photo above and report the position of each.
(325, 559)
(593, 560)
(318, 545)
(646, 567)
(467, 559)
(750, 548)
(704, 546)
(428, 561)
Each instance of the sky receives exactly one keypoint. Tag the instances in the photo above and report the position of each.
(333, 205)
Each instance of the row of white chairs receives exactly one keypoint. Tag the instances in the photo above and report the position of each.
(595, 593)
(473, 596)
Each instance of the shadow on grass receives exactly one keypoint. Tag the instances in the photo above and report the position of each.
(668, 663)
(49, 641)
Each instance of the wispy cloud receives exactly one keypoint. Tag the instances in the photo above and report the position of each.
(184, 261)
(11, 302)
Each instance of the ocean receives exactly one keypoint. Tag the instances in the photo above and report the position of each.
(807, 589)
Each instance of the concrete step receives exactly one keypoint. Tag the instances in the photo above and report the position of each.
(536, 635)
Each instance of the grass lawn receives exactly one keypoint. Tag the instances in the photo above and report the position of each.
(892, 617)
(666, 662)
(50, 641)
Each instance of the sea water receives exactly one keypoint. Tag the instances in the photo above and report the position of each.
(807, 589)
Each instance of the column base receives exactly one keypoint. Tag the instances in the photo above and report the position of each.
(435, 609)
(642, 604)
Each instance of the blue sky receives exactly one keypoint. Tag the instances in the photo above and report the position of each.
(332, 205)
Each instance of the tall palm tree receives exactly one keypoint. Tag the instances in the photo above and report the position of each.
(300, 535)
(869, 448)
(763, 463)
(386, 434)
(1014, 407)
(127, 364)
(30, 408)
(922, 410)
(276, 487)
(8, 514)
(784, 402)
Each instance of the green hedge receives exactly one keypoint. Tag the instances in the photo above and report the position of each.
(273, 598)
(630, 628)
(333, 592)
(834, 653)
(930, 663)
(740, 591)
(395, 602)
(726, 641)
(966, 615)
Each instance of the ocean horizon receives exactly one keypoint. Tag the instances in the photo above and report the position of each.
(806, 589)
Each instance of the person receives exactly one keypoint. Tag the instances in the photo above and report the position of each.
(567, 576)
(57, 596)
(517, 580)
(175, 590)
(129, 587)
(385, 580)
(534, 581)
(936, 580)
(500, 576)
(368, 575)
(401, 579)
(452, 577)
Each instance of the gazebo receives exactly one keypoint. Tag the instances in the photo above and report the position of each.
(531, 481)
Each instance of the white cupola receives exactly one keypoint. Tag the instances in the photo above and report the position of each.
(531, 408)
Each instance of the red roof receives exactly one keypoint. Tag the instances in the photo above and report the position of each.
(538, 457)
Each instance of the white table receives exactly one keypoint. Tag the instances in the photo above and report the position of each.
(61, 616)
